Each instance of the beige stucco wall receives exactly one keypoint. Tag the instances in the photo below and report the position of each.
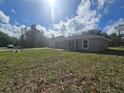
(98, 44)
(95, 45)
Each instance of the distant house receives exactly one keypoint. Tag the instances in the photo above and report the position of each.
(93, 43)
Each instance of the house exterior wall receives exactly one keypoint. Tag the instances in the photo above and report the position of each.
(94, 44)
(59, 44)
(79, 45)
(103, 44)
(69, 45)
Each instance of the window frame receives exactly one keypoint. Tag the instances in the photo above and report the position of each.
(87, 44)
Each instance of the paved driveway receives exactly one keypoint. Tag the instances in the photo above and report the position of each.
(4, 49)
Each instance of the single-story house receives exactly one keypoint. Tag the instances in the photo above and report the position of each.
(56, 42)
(93, 43)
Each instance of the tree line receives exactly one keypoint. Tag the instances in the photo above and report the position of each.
(6, 39)
(32, 37)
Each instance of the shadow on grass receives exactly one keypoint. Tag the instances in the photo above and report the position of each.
(117, 52)
(112, 52)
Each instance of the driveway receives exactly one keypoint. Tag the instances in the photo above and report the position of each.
(4, 49)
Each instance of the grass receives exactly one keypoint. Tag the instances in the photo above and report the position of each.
(51, 71)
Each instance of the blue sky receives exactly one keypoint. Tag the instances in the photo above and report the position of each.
(29, 12)
(70, 16)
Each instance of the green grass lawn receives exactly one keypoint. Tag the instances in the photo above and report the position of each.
(51, 71)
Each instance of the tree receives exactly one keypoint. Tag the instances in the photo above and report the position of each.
(93, 32)
(22, 40)
(119, 28)
(33, 37)
(6, 39)
(105, 35)
(114, 39)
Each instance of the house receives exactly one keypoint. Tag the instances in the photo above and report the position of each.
(93, 43)
(56, 42)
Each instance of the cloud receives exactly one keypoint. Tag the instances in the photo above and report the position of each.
(84, 20)
(11, 30)
(110, 28)
(13, 11)
(41, 28)
(102, 3)
(48, 33)
(4, 18)
(6, 27)
(51, 33)
(87, 17)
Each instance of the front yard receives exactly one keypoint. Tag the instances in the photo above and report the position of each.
(52, 71)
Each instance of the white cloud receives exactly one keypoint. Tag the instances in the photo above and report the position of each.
(86, 18)
(101, 3)
(41, 28)
(4, 18)
(110, 28)
(13, 11)
(11, 30)
(51, 33)
(48, 33)
(6, 27)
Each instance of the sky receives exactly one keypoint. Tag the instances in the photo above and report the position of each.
(60, 17)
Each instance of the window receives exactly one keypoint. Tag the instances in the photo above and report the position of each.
(85, 44)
